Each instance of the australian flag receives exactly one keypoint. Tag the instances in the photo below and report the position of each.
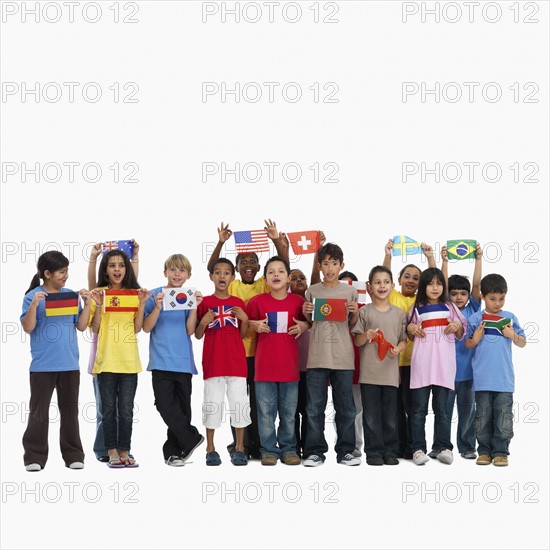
(224, 317)
(124, 246)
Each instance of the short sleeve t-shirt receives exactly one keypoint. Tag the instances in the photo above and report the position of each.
(170, 346)
(54, 345)
(223, 350)
(277, 357)
(404, 303)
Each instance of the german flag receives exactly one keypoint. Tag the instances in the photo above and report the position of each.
(61, 303)
(120, 300)
(332, 309)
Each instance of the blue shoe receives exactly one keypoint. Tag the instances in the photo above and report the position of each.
(238, 458)
(213, 459)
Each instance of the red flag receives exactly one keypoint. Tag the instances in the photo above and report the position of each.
(304, 242)
(383, 345)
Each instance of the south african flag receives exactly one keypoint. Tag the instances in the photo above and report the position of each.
(494, 323)
(461, 250)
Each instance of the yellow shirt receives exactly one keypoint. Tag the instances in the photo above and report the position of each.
(245, 292)
(405, 303)
(117, 349)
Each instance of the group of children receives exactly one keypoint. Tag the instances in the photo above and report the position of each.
(267, 352)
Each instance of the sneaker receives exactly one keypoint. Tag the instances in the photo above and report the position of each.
(375, 461)
(187, 455)
(483, 460)
(103, 458)
(313, 460)
(269, 459)
(291, 459)
(469, 455)
(76, 465)
(500, 461)
(433, 453)
(356, 453)
(174, 461)
(420, 458)
(33, 467)
(350, 460)
(445, 456)
(391, 461)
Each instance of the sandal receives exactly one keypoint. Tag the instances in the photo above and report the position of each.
(129, 462)
(115, 462)
(238, 458)
(213, 459)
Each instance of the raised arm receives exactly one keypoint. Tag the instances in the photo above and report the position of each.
(315, 273)
(476, 279)
(92, 266)
(387, 254)
(135, 259)
(429, 253)
(223, 235)
(280, 240)
(445, 266)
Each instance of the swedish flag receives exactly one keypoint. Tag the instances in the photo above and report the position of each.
(403, 245)
(461, 250)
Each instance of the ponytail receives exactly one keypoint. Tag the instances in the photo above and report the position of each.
(51, 261)
(34, 283)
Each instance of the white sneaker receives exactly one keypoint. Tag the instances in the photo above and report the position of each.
(76, 465)
(33, 467)
(350, 460)
(420, 458)
(313, 460)
(445, 456)
(175, 461)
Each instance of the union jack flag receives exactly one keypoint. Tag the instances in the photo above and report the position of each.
(224, 317)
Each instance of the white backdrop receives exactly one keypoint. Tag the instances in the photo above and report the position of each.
(432, 124)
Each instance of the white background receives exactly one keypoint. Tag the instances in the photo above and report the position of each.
(169, 132)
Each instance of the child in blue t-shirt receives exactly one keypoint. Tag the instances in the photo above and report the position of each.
(171, 362)
(54, 349)
(468, 303)
(491, 333)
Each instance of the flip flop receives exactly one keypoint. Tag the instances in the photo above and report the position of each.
(129, 462)
(115, 462)
(213, 459)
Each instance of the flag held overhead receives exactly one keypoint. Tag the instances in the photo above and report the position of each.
(247, 242)
(125, 246)
(462, 249)
(304, 242)
(403, 246)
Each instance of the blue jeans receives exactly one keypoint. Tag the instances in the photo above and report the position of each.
(465, 404)
(342, 396)
(117, 398)
(494, 422)
(442, 426)
(273, 397)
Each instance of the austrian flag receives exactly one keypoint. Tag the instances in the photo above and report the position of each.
(304, 242)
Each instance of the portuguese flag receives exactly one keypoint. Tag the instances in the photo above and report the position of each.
(120, 301)
(329, 309)
(494, 323)
(461, 250)
(61, 303)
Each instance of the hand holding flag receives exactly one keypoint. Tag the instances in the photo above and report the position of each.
(383, 345)
(298, 328)
(403, 246)
(261, 326)
(304, 242)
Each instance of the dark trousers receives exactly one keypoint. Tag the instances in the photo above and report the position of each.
(404, 408)
(35, 438)
(380, 420)
(494, 422)
(173, 401)
(117, 399)
(300, 423)
(251, 433)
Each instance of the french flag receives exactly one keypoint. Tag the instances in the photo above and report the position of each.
(277, 321)
(433, 315)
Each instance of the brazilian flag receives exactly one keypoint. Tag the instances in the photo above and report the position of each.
(461, 250)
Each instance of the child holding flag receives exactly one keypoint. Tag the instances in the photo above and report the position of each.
(468, 303)
(116, 316)
(248, 266)
(408, 279)
(171, 360)
(223, 323)
(51, 308)
(491, 333)
(277, 318)
(330, 358)
(434, 325)
(381, 334)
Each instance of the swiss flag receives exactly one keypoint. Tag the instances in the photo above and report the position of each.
(304, 242)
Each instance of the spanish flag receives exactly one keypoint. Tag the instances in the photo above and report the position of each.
(494, 323)
(61, 303)
(461, 250)
(120, 301)
(331, 309)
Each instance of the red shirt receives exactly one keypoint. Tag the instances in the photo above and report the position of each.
(276, 352)
(223, 351)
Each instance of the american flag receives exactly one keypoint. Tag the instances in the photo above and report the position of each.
(224, 316)
(251, 241)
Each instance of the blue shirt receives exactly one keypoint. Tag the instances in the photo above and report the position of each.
(492, 361)
(54, 344)
(464, 355)
(170, 346)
